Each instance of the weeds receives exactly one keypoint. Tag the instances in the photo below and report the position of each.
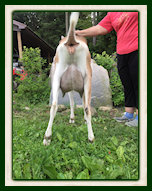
(113, 155)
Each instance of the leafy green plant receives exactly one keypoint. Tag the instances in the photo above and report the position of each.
(109, 63)
(104, 60)
(35, 87)
(113, 155)
(117, 88)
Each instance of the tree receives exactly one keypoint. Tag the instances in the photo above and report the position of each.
(66, 22)
(94, 23)
(50, 26)
(104, 43)
(31, 19)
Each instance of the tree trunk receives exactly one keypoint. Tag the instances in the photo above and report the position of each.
(66, 22)
(94, 23)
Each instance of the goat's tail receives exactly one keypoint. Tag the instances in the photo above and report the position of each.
(71, 33)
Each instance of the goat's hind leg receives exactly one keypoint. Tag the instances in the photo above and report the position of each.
(71, 107)
(83, 103)
(53, 110)
(87, 110)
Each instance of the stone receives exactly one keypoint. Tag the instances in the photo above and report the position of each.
(61, 108)
(101, 91)
(105, 108)
(93, 111)
(27, 108)
(79, 106)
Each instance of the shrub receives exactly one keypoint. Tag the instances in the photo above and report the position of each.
(109, 63)
(35, 87)
(117, 88)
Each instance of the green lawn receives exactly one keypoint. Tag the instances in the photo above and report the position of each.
(113, 155)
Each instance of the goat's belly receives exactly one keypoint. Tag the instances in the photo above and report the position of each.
(72, 79)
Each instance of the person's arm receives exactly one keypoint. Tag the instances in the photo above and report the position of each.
(92, 31)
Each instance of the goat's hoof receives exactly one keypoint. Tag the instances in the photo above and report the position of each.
(71, 121)
(91, 140)
(47, 141)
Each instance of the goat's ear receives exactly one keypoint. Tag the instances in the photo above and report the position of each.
(62, 37)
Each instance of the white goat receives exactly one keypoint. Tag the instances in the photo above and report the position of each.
(71, 71)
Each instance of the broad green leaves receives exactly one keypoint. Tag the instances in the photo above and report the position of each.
(83, 175)
(113, 155)
(114, 140)
(120, 153)
(59, 136)
(92, 163)
(95, 166)
(73, 145)
(50, 171)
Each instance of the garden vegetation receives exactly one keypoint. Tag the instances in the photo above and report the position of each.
(113, 155)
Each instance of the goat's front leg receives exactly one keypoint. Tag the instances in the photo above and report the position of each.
(53, 110)
(71, 107)
(83, 103)
(87, 109)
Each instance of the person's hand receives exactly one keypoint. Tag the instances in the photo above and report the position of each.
(78, 32)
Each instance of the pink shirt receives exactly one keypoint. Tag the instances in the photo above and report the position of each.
(126, 26)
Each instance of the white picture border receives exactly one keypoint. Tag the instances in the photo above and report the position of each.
(143, 94)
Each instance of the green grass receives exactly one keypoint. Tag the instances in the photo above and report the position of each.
(113, 155)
